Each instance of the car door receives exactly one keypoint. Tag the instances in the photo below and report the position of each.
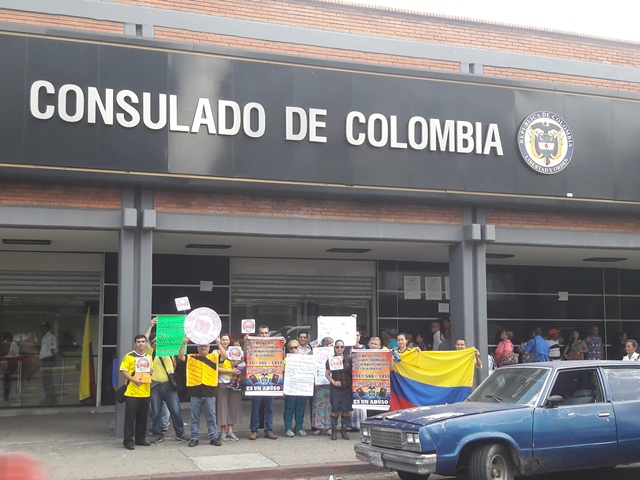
(580, 432)
(624, 391)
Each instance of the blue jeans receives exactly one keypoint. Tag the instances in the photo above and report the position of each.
(255, 413)
(294, 406)
(209, 404)
(163, 392)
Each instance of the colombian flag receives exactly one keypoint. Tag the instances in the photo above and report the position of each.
(431, 378)
(87, 389)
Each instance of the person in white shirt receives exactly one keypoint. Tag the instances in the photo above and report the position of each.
(554, 345)
(435, 330)
(48, 351)
(630, 348)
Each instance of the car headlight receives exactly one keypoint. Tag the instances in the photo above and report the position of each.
(413, 438)
(365, 435)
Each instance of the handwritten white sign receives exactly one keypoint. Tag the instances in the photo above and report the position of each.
(299, 375)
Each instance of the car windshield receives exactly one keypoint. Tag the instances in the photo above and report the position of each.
(521, 386)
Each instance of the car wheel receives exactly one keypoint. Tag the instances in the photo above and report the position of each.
(491, 462)
(412, 476)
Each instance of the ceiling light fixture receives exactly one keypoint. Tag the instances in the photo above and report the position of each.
(604, 259)
(349, 250)
(499, 256)
(25, 241)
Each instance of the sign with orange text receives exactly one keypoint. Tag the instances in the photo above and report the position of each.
(371, 370)
(264, 356)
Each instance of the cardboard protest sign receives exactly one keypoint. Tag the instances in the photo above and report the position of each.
(299, 375)
(371, 383)
(169, 334)
(264, 356)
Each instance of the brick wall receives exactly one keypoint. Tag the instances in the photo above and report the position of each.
(45, 195)
(559, 220)
(60, 21)
(272, 206)
(326, 15)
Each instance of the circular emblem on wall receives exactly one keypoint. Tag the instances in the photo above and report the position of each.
(545, 142)
(202, 326)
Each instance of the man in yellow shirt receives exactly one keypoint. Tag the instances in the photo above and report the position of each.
(202, 381)
(136, 368)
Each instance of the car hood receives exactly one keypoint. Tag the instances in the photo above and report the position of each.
(425, 415)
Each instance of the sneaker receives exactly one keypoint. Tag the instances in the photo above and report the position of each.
(194, 443)
(290, 433)
(182, 438)
(157, 439)
(223, 437)
(216, 441)
(253, 435)
(302, 433)
(232, 437)
(165, 429)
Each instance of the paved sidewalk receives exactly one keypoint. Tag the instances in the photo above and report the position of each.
(78, 444)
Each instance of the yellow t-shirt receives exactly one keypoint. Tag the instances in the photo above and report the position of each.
(134, 363)
(160, 373)
(199, 373)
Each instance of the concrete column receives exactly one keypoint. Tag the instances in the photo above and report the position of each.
(135, 258)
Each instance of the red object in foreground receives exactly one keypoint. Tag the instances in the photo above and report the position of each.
(21, 466)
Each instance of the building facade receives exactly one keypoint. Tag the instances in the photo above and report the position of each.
(281, 160)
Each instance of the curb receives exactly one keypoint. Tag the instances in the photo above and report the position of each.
(275, 473)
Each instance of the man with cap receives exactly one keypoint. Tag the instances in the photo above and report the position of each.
(48, 351)
(554, 345)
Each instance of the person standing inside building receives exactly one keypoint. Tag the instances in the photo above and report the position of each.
(202, 381)
(555, 354)
(594, 344)
(9, 353)
(435, 332)
(136, 368)
(161, 391)
(266, 402)
(48, 352)
(338, 372)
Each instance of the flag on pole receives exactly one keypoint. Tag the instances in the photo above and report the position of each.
(87, 388)
(431, 378)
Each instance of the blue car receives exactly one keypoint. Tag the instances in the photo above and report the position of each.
(522, 420)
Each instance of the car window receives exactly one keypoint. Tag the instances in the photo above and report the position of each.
(624, 383)
(578, 387)
(521, 386)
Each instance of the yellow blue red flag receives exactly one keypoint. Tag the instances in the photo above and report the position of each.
(431, 378)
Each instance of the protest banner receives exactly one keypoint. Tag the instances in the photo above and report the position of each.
(371, 384)
(264, 356)
(338, 328)
(169, 334)
(299, 375)
(320, 356)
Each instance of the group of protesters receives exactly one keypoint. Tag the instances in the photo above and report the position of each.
(213, 381)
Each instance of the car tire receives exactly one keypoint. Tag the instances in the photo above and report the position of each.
(412, 476)
(491, 462)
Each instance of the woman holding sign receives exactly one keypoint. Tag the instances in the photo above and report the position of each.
(338, 372)
(229, 400)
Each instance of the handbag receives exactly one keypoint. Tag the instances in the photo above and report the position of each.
(511, 359)
(120, 397)
(531, 356)
(175, 382)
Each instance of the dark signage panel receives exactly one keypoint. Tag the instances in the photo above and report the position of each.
(120, 109)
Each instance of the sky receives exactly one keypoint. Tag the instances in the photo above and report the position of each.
(617, 19)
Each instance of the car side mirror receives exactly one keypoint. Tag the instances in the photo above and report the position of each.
(554, 400)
